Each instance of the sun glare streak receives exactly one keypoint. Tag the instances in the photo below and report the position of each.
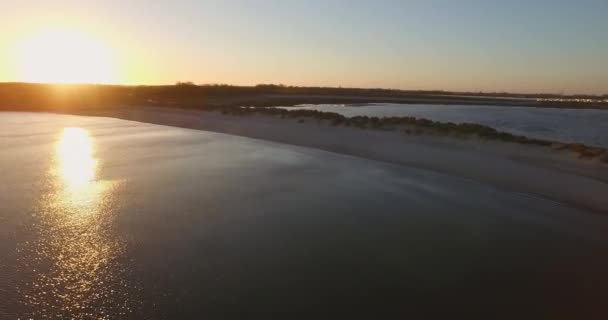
(64, 56)
(77, 165)
(78, 253)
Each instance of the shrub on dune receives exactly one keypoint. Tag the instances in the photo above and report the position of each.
(415, 126)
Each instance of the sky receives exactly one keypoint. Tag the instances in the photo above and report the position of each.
(550, 46)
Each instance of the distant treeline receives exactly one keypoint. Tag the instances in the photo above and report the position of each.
(26, 96)
(283, 89)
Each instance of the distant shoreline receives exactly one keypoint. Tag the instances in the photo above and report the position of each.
(293, 100)
(47, 97)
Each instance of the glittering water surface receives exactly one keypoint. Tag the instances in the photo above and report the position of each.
(75, 252)
(565, 125)
(109, 219)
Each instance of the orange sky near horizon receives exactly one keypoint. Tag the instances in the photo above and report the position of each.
(167, 42)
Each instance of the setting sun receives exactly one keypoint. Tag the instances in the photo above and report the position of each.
(64, 56)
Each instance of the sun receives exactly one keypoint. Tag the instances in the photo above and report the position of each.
(64, 56)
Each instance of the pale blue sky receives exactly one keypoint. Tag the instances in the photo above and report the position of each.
(527, 46)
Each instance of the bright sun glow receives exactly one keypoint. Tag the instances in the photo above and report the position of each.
(64, 56)
(77, 165)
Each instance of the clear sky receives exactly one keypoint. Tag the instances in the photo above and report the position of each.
(486, 45)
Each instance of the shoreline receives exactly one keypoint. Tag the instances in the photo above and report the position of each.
(294, 100)
(50, 97)
(531, 169)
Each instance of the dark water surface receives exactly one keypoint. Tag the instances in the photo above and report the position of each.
(109, 219)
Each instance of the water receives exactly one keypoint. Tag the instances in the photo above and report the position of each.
(566, 125)
(103, 219)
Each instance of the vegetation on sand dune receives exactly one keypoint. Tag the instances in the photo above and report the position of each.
(415, 126)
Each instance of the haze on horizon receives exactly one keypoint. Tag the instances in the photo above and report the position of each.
(517, 46)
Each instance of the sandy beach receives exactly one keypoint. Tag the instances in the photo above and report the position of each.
(540, 171)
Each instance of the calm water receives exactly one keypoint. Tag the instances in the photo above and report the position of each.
(110, 219)
(566, 125)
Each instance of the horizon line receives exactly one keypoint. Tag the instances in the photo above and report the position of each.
(279, 85)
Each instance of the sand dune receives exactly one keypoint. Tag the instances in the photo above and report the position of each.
(540, 171)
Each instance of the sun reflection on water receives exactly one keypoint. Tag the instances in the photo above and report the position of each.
(75, 154)
(78, 253)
